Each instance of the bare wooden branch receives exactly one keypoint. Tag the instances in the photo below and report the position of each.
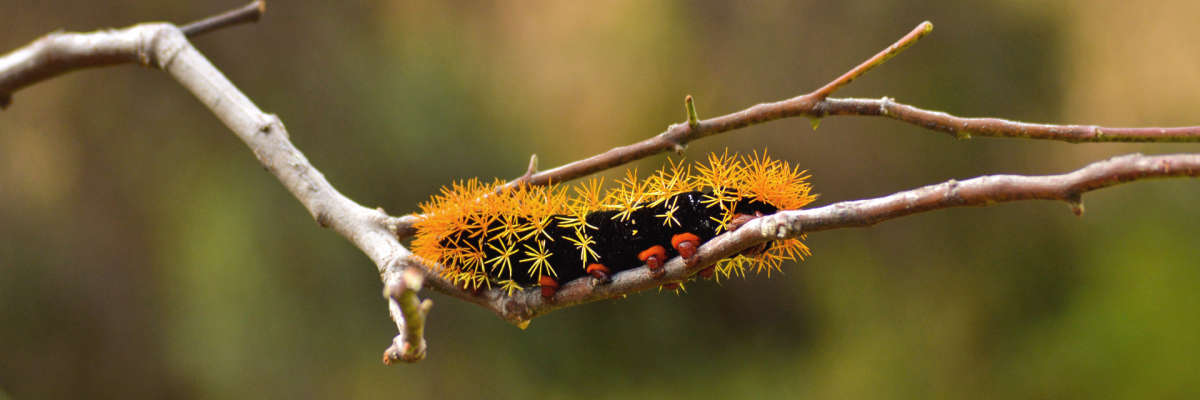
(965, 128)
(677, 136)
(409, 312)
(981, 191)
(529, 171)
(958, 127)
(165, 47)
(248, 13)
(693, 118)
(816, 105)
(806, 106)
(887, 53)
(59, 52)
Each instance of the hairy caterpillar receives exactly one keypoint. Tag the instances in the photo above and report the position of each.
(479, 236)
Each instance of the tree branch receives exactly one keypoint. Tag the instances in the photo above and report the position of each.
(887, 53)
(409, 312)
(248, 13)
(816, 105)
(965, 128)
(981, 191)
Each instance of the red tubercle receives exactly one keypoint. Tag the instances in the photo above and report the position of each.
(598, 271)
(707, 273)
(686, 244)
(654, 257)
(549, 286)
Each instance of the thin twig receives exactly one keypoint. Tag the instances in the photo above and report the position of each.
(165, 47)
(965, 128)
(248, 13)
(678, 135)
(815, 105)
(409, 313)
(960, 127)
(529, 171)
(693, 118)
(916, 34)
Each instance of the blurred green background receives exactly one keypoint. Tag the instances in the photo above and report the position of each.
(145, 253)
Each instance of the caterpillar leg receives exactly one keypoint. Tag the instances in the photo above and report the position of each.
(686, 244)
(599, 272)
(756, 250)
(740, 219)
(654, 257)
(707, 273)
(737, 222)
(549, 286)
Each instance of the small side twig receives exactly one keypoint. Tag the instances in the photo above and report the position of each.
(693, 119)
(409, 313)
(965, 128)
(249, 13)
(907, 40)
(61, 52)
(677, 136)
(529, 171)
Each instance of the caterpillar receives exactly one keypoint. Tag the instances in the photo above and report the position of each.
(482, 235)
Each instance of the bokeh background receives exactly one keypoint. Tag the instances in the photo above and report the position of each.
(145, 254)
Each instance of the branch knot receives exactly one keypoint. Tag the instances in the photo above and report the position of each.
(780, 226)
